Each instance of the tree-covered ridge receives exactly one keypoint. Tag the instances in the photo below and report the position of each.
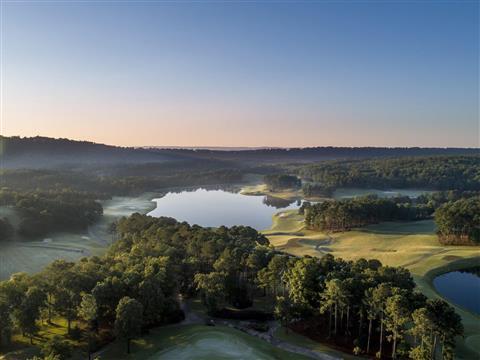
(438, 173)
(105, 186)
(43, 212)
(44, 152)
(362, 305)
(346, 214)
(459, 221)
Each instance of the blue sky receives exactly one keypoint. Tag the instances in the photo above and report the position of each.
(258, 73)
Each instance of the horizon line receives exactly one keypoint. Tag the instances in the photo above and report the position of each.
(236, 148)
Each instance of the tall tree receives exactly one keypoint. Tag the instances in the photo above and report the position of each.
(334, 296)
(128, 322)
(5, 322)
(212, 289)
(29, 311)
(397, 316)
(380, 294)
(447, 325)
(88, 311)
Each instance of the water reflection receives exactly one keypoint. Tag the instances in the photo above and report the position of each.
(218, 207)
(276, 202)
(461, 287)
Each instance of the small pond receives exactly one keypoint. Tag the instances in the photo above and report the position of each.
(461, 287)
(217, 207)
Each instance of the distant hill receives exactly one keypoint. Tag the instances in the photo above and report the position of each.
(41, 152)
(312, 154)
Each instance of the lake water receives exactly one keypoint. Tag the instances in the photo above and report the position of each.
(461, 288)
(217, 207)
(347, 193)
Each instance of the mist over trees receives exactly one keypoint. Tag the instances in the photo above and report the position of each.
(45, 212)
(435, 173)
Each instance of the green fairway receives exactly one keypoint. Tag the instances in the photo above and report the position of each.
(197, 342)
(413, 245)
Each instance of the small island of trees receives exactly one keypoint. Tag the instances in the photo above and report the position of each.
(277, 182)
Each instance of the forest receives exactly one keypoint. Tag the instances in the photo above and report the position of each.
(435, 173)
(459, 222)
(43, 212)
(456, 214)
(343, 215)
(361, 306)
(276, 182)
(110, 184)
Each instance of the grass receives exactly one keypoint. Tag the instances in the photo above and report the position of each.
(21, 349)
(199, 342)
(303, 341)
(412, 245)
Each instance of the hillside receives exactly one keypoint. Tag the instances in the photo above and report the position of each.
(38, 152)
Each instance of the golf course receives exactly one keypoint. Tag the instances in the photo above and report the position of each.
(413, 245)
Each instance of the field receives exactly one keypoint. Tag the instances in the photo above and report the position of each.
(33, 255)
(412, 245)
(199, 342)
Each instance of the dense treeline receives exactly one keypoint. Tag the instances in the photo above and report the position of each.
(316, 190)
(277, 182)
(362, 306)
(456, 214)
(346, 214)
(43, 212)
(438, 173)
(105, 186)
(459, 221)
(437, 198)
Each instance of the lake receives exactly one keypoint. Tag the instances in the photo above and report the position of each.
(461, 288)
(217, 207)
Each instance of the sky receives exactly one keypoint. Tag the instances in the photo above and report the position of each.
(242, 73)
